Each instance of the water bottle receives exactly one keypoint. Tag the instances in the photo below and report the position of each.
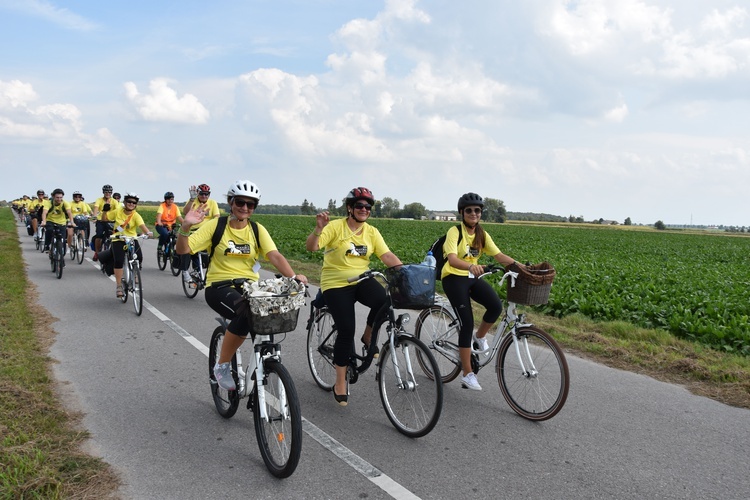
(429, 260)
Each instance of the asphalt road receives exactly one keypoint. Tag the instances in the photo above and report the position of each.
(143, 388)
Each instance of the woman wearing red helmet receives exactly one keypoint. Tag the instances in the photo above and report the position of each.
(348, 244)
(462, 251)
(199, 198)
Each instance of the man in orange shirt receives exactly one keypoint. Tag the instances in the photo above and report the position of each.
(166, 216)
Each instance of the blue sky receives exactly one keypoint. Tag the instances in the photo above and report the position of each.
(597, 108)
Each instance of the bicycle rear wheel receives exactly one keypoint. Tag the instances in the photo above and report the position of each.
(73, 248)
(80, 243)
(412, 400)
(53, 257)
(226, 402)
(321, 337)
(42, 236)
(280, 434)
(190, 288)
(534, 378)
(135, 281)
(438, 329)
(60, 257)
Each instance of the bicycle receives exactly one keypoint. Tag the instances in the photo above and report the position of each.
(57, 248)
(168, 253)
(197, 276)
(131, 273)
(531, 367)
(412, 401)
(273, 400)
(78, 246)
(40, 236)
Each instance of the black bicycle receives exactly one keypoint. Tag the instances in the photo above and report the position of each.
(57, 248)
(412, 399)
(197, 275)
(167, 254)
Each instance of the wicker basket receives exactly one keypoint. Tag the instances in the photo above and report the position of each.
(273, 305)
(532, 285)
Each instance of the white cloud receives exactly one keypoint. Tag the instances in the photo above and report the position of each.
(617, 114)
(163, 105)
(48, 11)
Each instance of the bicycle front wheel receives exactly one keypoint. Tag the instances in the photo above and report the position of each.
(60, 257)
(226, 402)
(161, 257)
(190, 288)
(412, 400)
(73, 248)
(438, 329)
(321, 337)
(280, 433)
(137, 285)
(80, 243)
(533, 374)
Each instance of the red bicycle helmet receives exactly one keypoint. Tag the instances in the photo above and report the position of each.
(360, 193)
(204, 189)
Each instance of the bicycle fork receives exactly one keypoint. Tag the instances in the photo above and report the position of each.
(247, 382)
(411, 383)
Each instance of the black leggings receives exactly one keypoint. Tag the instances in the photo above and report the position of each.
(460, 290)
(340, 302)
(225, 300)
(118, 253)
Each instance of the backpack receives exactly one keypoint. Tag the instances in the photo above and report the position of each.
(437, 251)
(221, 226)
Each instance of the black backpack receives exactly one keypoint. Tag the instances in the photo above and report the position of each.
(437, 251)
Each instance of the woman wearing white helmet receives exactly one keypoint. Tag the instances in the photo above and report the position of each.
(235, 256)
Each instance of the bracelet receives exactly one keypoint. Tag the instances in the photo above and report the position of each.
(181, 233)
(316, 234)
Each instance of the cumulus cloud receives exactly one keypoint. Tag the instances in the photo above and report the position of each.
(57, 125)
(162, 104)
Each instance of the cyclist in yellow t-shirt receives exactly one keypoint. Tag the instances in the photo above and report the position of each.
(199, 197)
(166, 216)
(235, 256)
(58, 214)
(348, 244)
(104, 211)
(81, 212)
(36, 207)
(126, 221)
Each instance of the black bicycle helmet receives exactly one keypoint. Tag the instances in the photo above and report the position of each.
(168, 195)
(470, 199)
(107, 188)
(360, 193)
(58, 191)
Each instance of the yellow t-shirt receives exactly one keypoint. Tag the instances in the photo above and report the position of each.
(465, 252)
(58, 213)
(128, 227)
(347, 254)
(109, 215)
(36, 203)
(213, 212)
(236, 253)
(80, 208)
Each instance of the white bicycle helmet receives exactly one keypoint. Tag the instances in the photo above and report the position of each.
(243, 188)
(131, 195)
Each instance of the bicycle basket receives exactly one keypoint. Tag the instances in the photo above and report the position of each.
(532, 285)
(412, 286)
(273, 304)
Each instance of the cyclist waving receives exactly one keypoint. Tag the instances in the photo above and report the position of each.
(104, 209)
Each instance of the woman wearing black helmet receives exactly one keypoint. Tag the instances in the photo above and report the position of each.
(462, 251)
(126, 221)
(348, 245)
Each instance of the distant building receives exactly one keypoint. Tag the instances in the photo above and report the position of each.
(442, 216)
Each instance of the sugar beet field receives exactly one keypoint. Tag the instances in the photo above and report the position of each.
(697, 286)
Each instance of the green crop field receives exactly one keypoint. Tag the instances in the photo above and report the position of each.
(697, 286)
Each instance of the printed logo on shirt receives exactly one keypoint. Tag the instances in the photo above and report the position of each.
(471, 252)
(356, 250)
(235, 250)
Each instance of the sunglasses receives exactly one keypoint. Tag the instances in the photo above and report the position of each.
(251, 204)
(131, 201)
(477, 211)
(360, 206)
(204, 193)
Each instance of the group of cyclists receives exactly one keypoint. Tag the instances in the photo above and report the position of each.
(237, 244)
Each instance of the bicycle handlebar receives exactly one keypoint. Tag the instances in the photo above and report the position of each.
(370, 273)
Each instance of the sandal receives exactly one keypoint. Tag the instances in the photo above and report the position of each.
(119, 292)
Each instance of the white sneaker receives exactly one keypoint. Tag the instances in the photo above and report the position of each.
(470, 382)
(186, 276)
(223, 375)
(483, 345)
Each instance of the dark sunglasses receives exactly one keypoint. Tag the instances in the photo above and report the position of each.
(204, 193)
(360, 206)
(251, 204)
(473, 210)
(131, 201)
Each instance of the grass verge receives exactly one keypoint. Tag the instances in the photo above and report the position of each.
(40, 442)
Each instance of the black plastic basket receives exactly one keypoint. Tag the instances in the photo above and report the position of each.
(533, 284)
(412, 286)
